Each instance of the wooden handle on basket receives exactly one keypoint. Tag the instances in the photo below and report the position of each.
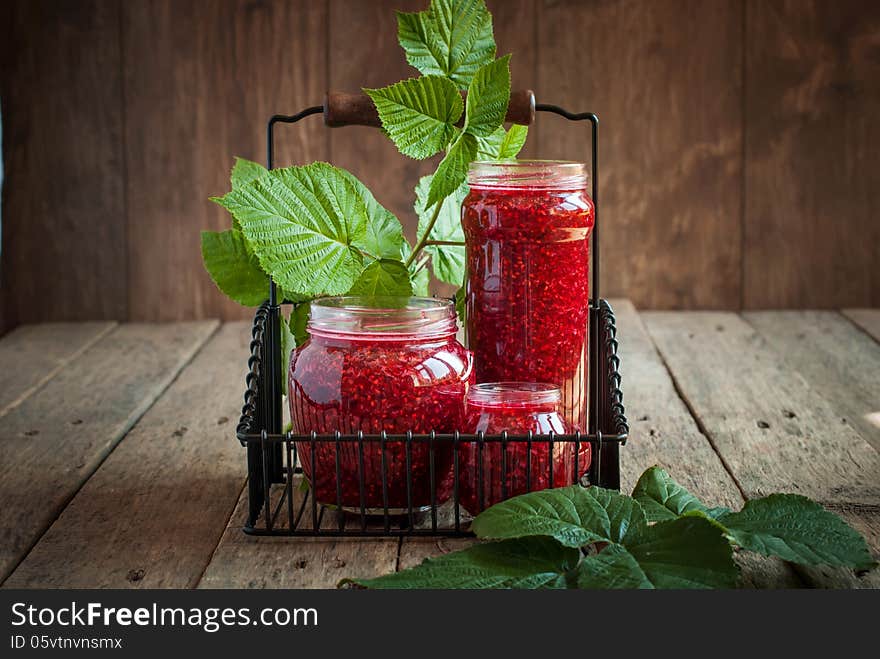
(344, 109)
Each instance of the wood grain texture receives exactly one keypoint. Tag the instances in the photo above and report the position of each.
(201, 81)
(813, 154)
(32, 354)
(63, 205)
(665, 78)
(773, 431)
(838, 360)
(242, 561)
(152, 514)
(664, 433)
(867, 319)
(53, 442)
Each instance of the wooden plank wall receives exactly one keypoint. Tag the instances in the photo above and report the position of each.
(740, 152)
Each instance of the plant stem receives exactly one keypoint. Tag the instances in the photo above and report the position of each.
(424, 239)
(453, 243)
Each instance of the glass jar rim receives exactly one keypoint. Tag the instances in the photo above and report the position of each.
(382, 317)
(531, 174)
(514, 394)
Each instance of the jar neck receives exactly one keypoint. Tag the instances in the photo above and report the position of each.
(527, 175)
(522, 397)
(412, 319)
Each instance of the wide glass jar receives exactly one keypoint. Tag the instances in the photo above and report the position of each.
(518, 408)
(527, 226)
(374, 364)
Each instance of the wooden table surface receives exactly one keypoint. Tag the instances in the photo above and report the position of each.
(119, 467)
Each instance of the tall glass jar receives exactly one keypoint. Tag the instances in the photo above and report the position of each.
(374, 364)
(486, 476)
(527, 226)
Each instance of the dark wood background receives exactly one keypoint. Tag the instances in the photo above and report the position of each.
(740, 148)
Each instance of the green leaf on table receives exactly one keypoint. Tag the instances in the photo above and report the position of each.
(383, 278)
(799, 530)
(663, 498)
(234, 268)
(575, 516)
(447, 260)
(488, 97)
(384, 235)
(452, 38)
(526, 563)
(613, 567)
(514, 141)
(419, 276)
(419, 114)
(303, 224)
(452, 170)
(244, 171)
(688, 552)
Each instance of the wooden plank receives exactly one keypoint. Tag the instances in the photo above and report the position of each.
(201, 81)
(665, 77)
(151, 515)
(242, 561)
(32, 354)
(63, 241)
(838, 360)
(663, 433)
(54, 440)
(867, 319)
(773, 431)
(813, 154)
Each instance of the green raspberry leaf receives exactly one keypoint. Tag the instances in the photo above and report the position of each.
(419, 114)
(488, 97)
(384, 236)
(452, 170)
(799, 530)
(663, 498)
(383, 278)
(244, 171)
(502, 144)
(613, 567)
(288, 344)
(418, 271)
(526, 563)
(447, 260)
(299, 319)
(688, 552)
(303, 224)
(575, 516)
(234, 268)
(453, 38)
(514, 141)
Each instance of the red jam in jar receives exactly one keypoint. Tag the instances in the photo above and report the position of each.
(518, 408)
(527, 226)
(374, 364)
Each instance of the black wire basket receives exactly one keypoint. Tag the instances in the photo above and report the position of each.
(280, 501)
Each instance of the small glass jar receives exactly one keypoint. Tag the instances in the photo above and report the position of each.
(374, 364)
(527, 227)
(518, 408)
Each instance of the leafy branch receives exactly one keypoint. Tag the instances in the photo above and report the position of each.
(660, 537)
(317, 230)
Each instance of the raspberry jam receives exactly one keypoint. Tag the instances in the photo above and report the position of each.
(517, 407)
(374, 364)
(527, 226)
